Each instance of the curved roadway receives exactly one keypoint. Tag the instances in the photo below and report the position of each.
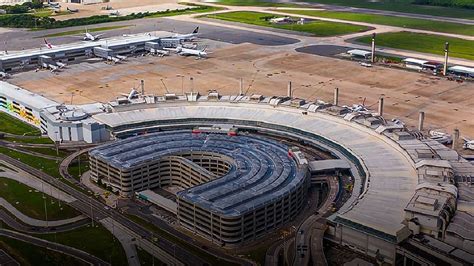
(84, 256)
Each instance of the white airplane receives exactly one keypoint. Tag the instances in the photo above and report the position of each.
(113, 59)
(90, 37)
(53, 4)
(441, 137)
(121, 57)
(48, 44)
(191, 52)
(72, 10)
(4, 75)
(468, 144)
(114, 13)
(280, 20)
(61, 65)
(187, 37)
(160, 53)
(132, 94)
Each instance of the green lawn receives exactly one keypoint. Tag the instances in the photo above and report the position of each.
(51, 167)
(255, 3)
(36, 140)
(199, 9)
(97, 241)
(28, 254)
(425, 43)
(31, 203)
(79, 32)
(47, 151)
(9, 124)
(77, 171)
(147, 260)
(404, 6)
(412, 23)
(316, 28)
(258, 254)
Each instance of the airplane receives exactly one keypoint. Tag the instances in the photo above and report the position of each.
(53, 4)
(114, 13)
(440, 137)
(280, 20)
(61, 65)
(189, 52)
(48, 44)
(4, 75)
(75, 10)
(90, 37)
(187, 37)
(160, 53)
(133, 94)
(468, 144)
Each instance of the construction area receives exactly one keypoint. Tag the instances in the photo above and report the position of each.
(266, 70)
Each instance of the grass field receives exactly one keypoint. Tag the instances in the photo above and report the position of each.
(46, 12)
(31, 203)
(35, 140)
(412, 23)
(146, 259)
(80, 32)
(9, 124)
(50, 167)
(77, 168)
(97, 241)
(202, 9)
(315, 28)
(404, 6)
(28, 254)
(425, 43)
(47, 151)
(255, 3)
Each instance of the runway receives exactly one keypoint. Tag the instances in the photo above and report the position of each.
(20, 39)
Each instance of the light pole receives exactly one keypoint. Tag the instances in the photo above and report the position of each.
(372, 59)
(79, 163)
(51, 192)
(92, 213)
(45, 209)
(56, 142)
(182, 83)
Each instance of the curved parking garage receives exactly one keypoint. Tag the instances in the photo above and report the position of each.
(234, 188)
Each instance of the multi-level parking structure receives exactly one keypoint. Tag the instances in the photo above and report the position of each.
(235, 188)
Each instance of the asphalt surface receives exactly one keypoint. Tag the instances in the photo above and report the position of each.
(315, 221)
(7, 260)
(89, 205)
(54, 246)
(18, 226)
(6, 218)
(19, 39)
(323, 50)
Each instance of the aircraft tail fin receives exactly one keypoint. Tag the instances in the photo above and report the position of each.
(47, 44)
(196, 30)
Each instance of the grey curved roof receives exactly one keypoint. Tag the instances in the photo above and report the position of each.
(262, 171)
(391, 172)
